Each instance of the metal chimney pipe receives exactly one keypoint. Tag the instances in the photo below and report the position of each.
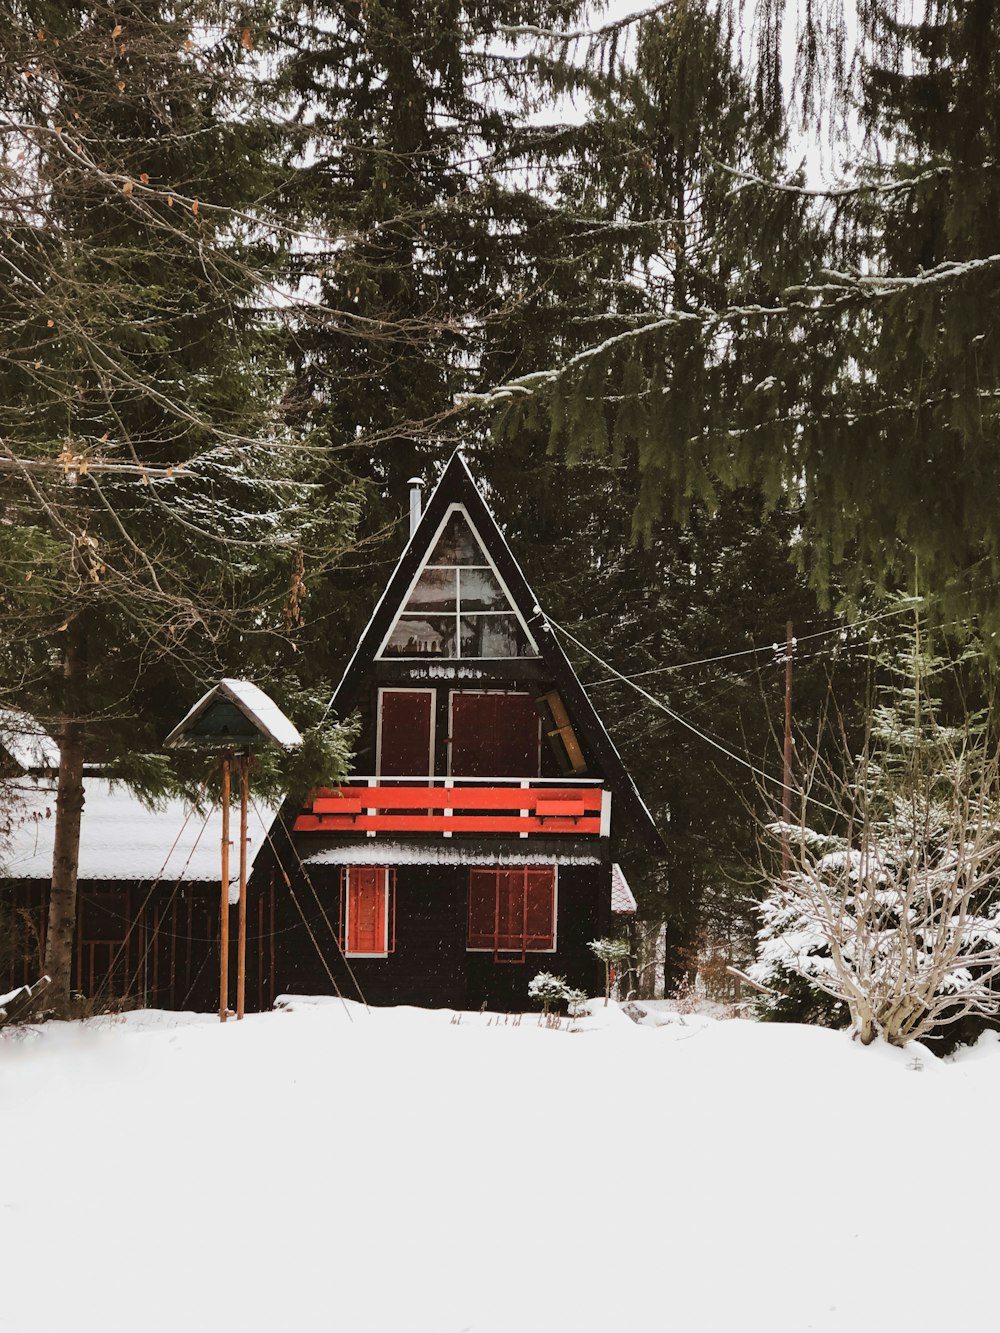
(416, 487)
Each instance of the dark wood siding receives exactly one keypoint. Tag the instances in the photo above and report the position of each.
(432, 966)
(428, 965)
(135, 945)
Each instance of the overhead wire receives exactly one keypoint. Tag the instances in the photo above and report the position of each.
(305, 921)
(681, 720)
(842, 630)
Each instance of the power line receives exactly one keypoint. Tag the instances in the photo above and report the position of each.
(682, 721)
(770, 648)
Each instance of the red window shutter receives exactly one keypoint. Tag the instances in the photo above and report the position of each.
(482, 908)
(540, 917)
(366, 908)
(512, 910)
(405, 733)
(510, 916)
(494, 735)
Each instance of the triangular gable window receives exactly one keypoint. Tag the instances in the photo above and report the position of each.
(457, 607)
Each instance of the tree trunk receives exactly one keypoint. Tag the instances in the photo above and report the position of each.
(69, 811)
(866, 1029)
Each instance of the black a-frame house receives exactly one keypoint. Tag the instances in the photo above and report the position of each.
(473, 846)
(471, 849)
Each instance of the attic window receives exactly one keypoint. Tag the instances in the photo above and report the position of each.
(458, 607)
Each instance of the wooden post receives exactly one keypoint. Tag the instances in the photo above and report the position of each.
(241, 950)
(786, 795)
(224, 902)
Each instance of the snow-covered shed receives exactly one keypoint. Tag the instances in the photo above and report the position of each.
(148, 883)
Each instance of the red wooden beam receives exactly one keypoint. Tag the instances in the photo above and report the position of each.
(556, 800)
(412, 823)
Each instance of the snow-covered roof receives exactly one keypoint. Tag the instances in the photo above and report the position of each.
(379, 852)
(122, 839)
(622, 898)
(26, 741)
(258, 707)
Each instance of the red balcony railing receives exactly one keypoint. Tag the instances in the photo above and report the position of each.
(520, 806)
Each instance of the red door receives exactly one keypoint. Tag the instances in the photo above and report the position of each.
(366, 917)
(406, 733)
(494, 735)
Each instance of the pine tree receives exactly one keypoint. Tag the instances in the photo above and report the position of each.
(640, 193)
(839, 346)
(152, 504)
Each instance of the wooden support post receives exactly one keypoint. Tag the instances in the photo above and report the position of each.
(241, 950)
(786, 795)
(273, 991)
(224, 901)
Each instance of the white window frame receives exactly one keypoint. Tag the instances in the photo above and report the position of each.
(348, 951)
(488, 563)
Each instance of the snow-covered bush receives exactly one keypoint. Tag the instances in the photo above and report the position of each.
(611, 953)
(895, 912)
(549, 989)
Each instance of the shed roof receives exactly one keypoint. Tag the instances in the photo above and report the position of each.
(623, 901)
(121, 838)
(26, 741)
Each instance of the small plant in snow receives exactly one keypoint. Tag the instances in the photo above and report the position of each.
(576, 1003)
(549, 989)
(686, 997)
(611, 953)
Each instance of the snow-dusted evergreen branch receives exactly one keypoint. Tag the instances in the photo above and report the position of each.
(749, 178)
(596, 32)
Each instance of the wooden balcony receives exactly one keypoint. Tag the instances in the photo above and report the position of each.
(444, 806)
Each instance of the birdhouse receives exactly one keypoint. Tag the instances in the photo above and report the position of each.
(234, 715)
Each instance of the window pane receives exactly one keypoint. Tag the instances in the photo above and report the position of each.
(422, 636)
(456, 545)
(510, 899)
(493, 636)
(366, 910)
(482, 908)
(435, 591)
(540, 916)
(481, 591)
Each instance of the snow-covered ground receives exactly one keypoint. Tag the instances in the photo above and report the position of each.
(324, 1168)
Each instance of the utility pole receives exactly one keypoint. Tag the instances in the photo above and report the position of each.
(224, 903)
(241, 952)
(786, 795)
